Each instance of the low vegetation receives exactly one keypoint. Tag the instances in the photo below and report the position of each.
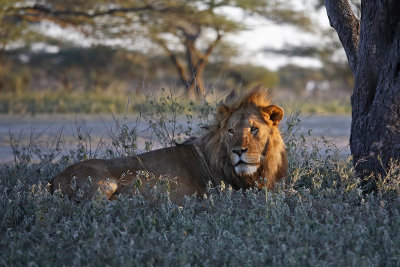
(317, 216)
(100, 79)
(59, 102)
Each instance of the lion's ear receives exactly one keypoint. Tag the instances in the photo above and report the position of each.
(222, 112)
(231, 97)
(273, 113)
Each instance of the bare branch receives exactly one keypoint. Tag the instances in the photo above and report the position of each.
(212, 46)
(204, 59)
(175, 60)
(347, 26)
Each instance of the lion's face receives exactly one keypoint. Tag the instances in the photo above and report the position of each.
(247, 133)
(243, 144)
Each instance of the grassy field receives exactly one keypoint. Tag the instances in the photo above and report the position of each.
(317, 216)
(94, 102)
(65, 102)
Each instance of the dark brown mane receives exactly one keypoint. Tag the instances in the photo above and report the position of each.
(212, 141)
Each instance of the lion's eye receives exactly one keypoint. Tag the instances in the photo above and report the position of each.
(231, 131)
(254, 129)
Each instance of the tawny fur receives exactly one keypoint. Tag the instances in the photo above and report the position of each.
(274, 165)
(208, 158)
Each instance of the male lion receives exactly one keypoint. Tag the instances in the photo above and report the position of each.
(242, 147)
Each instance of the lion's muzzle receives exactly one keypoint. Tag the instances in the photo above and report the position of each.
(244, 162)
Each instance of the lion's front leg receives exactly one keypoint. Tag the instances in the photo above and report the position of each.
(107, 187)
(86, 180)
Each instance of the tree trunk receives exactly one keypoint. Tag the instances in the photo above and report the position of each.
(373, 51)
(196, 87)
(179, 68)
(197, 61)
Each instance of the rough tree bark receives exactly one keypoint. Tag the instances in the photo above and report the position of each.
(197, 61)
(372, 46)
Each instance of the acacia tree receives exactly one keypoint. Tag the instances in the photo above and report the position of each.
(372, 46)
(187, 25)
(197, 25)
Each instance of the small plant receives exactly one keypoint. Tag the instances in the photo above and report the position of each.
(164, 120)
(172, 119)
(124, 139)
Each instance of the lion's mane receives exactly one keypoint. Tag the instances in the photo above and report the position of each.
(274, 164)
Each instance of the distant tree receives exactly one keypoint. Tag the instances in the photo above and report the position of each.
(186, 31)
(372, 46)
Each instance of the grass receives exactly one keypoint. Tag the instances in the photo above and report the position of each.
(320, 107)
(90, 102)
(329, 107)
(317, 216)
(107, 101)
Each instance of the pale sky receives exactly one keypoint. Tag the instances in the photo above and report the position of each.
(262, 34)
(271, 36)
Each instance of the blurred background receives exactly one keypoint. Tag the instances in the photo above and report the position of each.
(105, 56)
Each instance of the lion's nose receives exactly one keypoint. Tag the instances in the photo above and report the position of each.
(239, 151)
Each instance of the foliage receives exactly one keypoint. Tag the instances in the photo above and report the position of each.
(164, 120)
(62, 102)
(338, 107)
(317, 216)
(339, 77)
(246, 76)
(48, 102)
(186, 32)
(325, 46)
(152, 29)
(99, 69)
(101, 79)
